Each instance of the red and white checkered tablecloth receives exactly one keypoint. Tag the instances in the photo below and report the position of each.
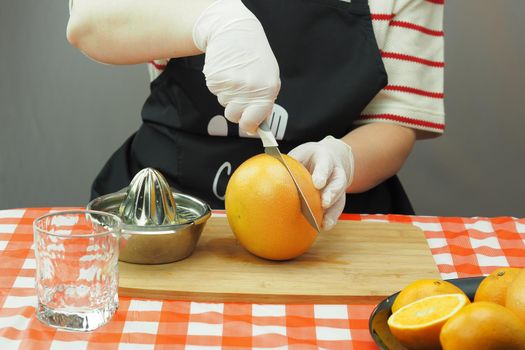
(461, 247)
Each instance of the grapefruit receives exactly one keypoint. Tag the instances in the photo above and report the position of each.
(264, 209)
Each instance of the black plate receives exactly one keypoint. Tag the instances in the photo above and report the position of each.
(378, 327)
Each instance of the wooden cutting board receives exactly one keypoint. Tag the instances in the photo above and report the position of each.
(356, 262)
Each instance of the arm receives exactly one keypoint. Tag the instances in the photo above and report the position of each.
(411, 107)
(359, 161)
(134, 31)
(379, 150)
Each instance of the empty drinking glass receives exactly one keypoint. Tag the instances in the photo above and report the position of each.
(77, 268)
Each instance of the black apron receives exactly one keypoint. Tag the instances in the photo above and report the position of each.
(330, 70)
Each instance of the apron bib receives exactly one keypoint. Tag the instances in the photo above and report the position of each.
(330, 70)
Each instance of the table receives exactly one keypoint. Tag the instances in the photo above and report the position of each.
(461, 247)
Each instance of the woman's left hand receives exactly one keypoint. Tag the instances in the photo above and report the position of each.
(331, 163)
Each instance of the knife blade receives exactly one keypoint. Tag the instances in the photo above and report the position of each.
(271, 148)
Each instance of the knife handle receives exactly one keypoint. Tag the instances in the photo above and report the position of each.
(266, 135)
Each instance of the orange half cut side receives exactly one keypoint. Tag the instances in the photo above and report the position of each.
(418, 324)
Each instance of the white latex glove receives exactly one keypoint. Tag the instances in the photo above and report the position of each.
(331, 163)
(240, 67)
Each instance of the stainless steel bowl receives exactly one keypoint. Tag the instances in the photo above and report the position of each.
(158, 244)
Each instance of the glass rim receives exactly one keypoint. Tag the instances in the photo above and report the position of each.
(117, 229)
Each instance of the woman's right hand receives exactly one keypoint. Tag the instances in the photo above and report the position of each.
(240, 67)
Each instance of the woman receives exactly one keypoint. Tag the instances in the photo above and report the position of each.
(316, 69)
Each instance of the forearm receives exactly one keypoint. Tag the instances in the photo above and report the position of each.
(379, 150)
(134, 31)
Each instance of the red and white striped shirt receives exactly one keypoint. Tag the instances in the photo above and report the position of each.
(409, 34)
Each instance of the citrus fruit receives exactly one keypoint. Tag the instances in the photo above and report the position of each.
(483, 326)
(515, 299)
(264, 210)
(417, 325)
(421, 289)
(493, 288)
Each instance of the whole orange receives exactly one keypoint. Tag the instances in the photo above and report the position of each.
(515, 299)
(423, 288)
(494, 287)
(483, 326)
(264, 209)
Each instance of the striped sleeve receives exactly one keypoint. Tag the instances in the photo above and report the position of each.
(409, 34)
(156, 67)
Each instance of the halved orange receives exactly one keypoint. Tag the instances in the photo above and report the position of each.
(421, 289)
(417, 325)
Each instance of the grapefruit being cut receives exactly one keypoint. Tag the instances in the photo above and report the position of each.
(264, 209)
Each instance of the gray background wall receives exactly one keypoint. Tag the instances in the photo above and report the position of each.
(62, 115)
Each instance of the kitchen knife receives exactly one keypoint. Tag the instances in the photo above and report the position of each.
(271, 148)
